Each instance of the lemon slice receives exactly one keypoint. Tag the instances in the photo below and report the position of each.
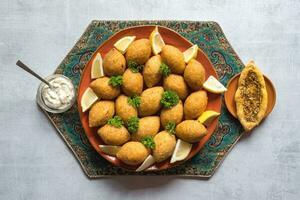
(157, 43)
(123, 43)
(207, 117)
(182, 150)
(214, 86)
(147, 163)
(190, 53)
(97, 68)
(88, 99)
(110, 149)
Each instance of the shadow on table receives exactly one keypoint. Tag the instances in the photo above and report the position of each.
(141, 182)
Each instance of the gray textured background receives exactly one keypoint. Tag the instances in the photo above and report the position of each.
(36, 164)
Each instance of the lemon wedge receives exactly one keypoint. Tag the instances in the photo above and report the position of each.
(214, 86)
(88, 99)
(182, 150)
(157, 43)
(97, 68)
(147, 163)
(190, 53)
(207, 117)
(123, 43)
(110, 149)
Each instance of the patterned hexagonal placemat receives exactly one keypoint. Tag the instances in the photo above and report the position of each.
(210, 38)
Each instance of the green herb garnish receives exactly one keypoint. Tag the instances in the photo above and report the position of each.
(170, 127)
(134, 100)
(135, 67)
(148, 142)
(133, 124)
(116, 121)
(169, 99)
(116, 81)
(164, 70)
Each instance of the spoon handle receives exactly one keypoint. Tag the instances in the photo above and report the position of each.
(27, 69)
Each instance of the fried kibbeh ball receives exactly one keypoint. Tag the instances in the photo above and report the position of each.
(195, 104)
(132, 83)
(133, 153)
(194, 74)
(150, 101)
(151, 71)
(173, 114)
(177, 84)
(164, 146)
(139, 51)
(190, 131)
(103, 89)
(148, 126)
(112, 135)
(124, 109)
(173, 57)
(101, 112)
(114, 63)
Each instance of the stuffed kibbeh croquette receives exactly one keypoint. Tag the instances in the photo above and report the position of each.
(114, 63)
(151, 71)
(139, 51)
(124, 109)
(101, 112)
(148, 126)
(103, 89)
(133, 153)
(112, 135)
(194, 75)
(173, 57)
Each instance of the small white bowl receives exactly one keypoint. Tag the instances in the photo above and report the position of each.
(40, 101)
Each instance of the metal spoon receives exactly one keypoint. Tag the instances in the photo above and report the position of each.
(27, 69)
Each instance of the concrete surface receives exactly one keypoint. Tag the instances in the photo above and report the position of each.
(36, 164)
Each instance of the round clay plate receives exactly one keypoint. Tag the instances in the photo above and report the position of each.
(172, 38)
(232, 87)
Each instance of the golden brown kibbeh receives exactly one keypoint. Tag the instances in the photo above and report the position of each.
(139, 51)
(150, 101)
(132, 83)
(133, 153)
(112, 135)
(194, 75)
(124, 109)
(177, 84)
(103, 89)
(173, 114)
(195, 104)
(190, 131)
(101, 112)
(114, 63)
(164, 146)
(151, 71)
(148, 126)
(173, 57)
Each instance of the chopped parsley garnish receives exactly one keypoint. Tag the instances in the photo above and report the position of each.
(170, 127)
(134, 100)
(135, 67)
(169, 99)
(116, 81)
(164, 70)
(148, 142)
(133, 124)
(116, 121)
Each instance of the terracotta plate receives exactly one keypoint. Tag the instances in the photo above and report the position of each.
(232, 87)
(172, 38)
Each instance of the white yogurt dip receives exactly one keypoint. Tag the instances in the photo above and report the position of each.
(60, 95)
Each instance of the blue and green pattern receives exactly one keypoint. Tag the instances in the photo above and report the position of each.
(210, 38)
